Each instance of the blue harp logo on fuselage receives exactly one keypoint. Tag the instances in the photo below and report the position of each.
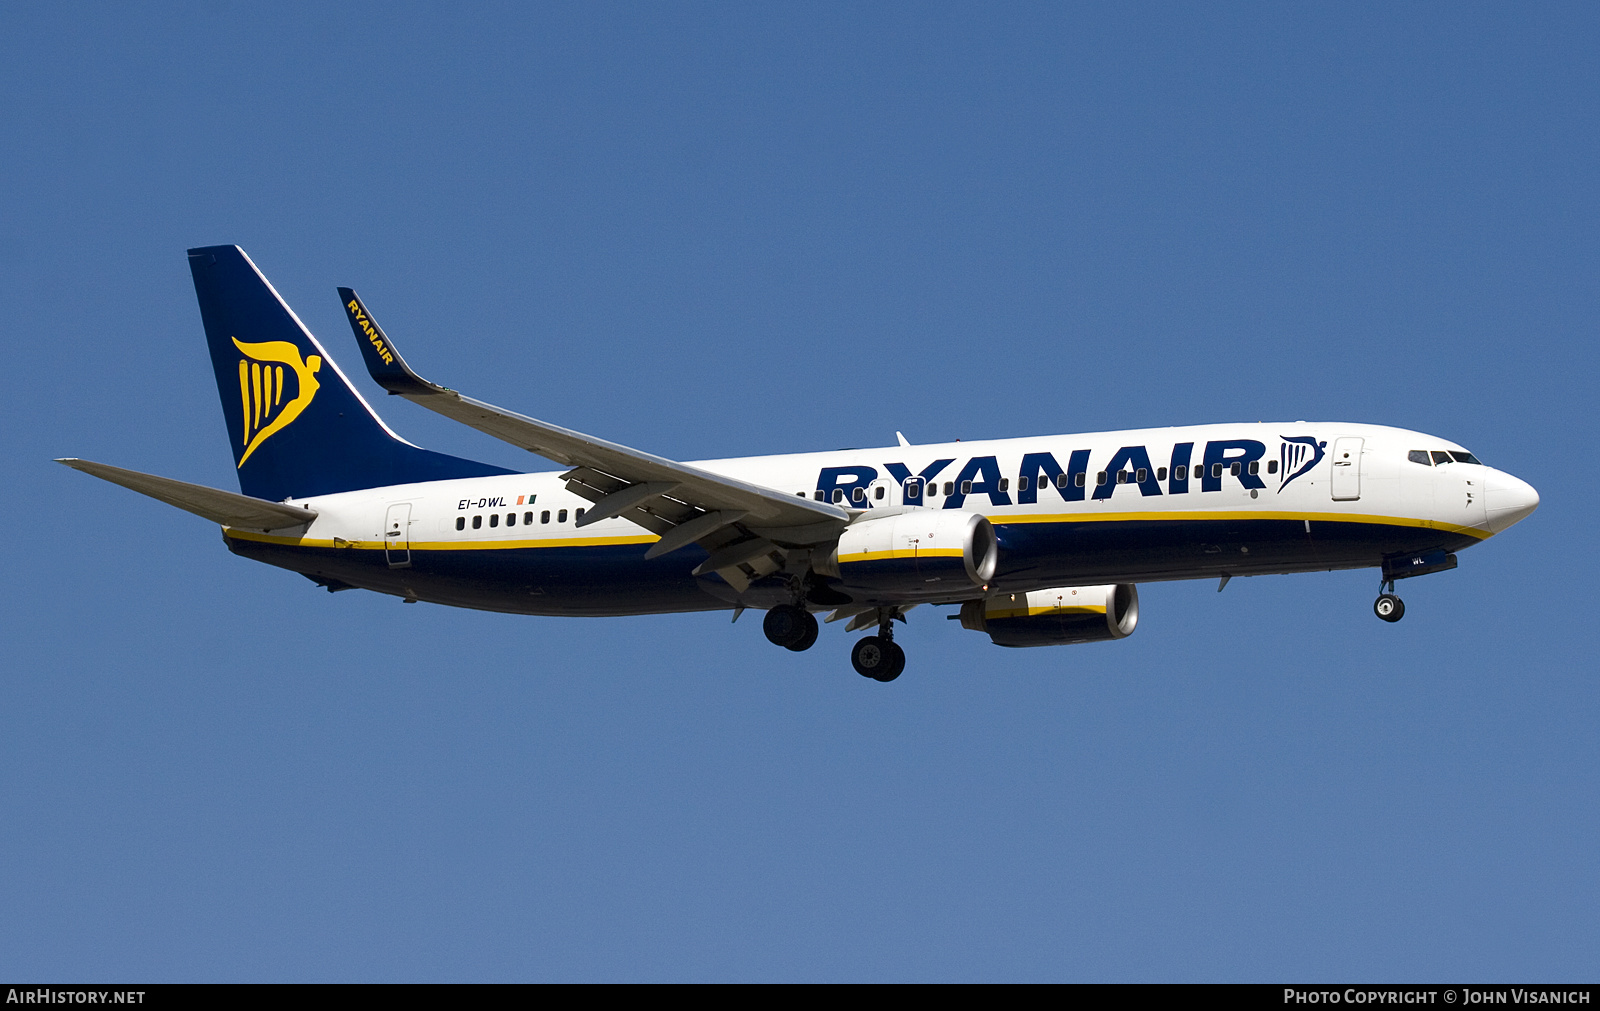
(264, 373)
(1297, 454)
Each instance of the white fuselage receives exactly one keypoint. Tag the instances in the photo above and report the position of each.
(1169, 503)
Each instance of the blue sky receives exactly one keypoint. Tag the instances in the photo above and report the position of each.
(709, 231)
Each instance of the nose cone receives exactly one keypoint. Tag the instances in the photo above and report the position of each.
(1508, 499)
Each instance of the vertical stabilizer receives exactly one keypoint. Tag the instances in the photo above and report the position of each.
(297, 426)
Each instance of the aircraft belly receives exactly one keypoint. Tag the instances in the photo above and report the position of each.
(597, 581)
(1153, 550)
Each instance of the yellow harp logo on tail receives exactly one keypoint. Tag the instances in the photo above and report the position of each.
(261, 389)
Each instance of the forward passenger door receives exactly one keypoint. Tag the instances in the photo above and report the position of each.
(1346, 483)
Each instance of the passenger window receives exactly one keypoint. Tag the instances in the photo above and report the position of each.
(1161, 473)
(1272, 466)
(1440, 457)
(561, 516)
(1061, 480)
(949, 487)
(838, 495)
(1022, 484)
(878, 492)
(544, 517)
(461, 523)
(1216, 470)
(913, 488)
(511, 519)
(1142, 476)
(1464, 457)
(477, 522)
(1100, 478)
(1255, 466)
(1234, 470)
(494, 519)
(1419, 456)
(527, 519)
(817, 494)
(858, 495)
(966, 487)
(1180, 472)
(1122, 477)
(1005, 484)
(1080, 479)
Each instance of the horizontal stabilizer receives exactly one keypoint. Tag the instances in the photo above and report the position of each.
(225, 507)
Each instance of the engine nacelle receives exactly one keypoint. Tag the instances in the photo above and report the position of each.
(1058, 616)
(924, 552)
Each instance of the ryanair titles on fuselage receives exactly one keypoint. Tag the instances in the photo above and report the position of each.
(1179, 472)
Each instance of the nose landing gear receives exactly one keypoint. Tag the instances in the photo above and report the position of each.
(1388, 606)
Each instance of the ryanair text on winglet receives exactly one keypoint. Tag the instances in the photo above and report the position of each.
(371, 332)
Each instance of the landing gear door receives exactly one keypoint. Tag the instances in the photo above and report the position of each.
(397, 535)
(1346, 482)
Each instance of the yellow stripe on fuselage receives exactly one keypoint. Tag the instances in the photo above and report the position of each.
(998, 519)
(378, 545)
(1204, 515)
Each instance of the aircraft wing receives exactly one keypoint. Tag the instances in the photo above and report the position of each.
(225, 507)
(680, 502)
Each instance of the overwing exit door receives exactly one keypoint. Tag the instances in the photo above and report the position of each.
(397, 535)
(1346, 469)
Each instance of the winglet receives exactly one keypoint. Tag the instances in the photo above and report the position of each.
(388, 369)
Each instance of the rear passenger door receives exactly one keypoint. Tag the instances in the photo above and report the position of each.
(397, 535)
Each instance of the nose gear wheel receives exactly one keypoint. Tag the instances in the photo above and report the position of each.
(1389, 607)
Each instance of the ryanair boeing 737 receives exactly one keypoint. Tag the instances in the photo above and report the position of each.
(1038, 541)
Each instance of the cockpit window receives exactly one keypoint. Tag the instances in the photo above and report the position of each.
(1420, 456)
(1464, 457)
(1440, 456)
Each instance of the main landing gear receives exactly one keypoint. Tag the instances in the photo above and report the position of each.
(790, 627)
(877, 657)
(1388, 606)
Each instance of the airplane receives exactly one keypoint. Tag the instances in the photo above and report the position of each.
(1036, 541)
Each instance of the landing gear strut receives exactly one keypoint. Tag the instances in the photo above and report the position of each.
(877, 656)
(1388, 606)
(790, 627)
